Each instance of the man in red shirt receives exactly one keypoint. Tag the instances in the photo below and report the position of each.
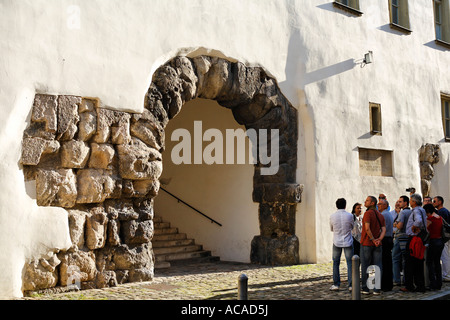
(373, 231)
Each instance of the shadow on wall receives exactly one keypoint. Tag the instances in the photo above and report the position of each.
(327, 72)
(298, 76)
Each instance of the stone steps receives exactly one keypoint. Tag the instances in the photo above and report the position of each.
(172, 247)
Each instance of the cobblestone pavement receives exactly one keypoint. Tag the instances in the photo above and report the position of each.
(219, 280)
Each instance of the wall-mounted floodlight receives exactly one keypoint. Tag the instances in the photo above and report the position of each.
(368, 57)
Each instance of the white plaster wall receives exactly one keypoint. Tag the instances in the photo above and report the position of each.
(106, 49)
(223, 192)
(406, 78)
(308, 45)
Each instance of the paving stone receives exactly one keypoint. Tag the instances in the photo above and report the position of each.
(218, 281)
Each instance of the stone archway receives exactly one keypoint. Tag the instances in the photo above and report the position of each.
(103, 167)
(257, 103)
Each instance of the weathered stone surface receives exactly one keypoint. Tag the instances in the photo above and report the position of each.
(144, 207)
(88, 105)
(33, 149)
(105, 279)
(56, 188)
(78, 265)
(136, 257)
(121, 209)
(137, 232)
(101, 156)
(77, 222)
(113, 237)
(276, 219)
(153, 103)
(67, 117)
(139, 162)
(112, 125)
(40, 274)
(96, 228)
(148, 129)
(170, 86)
(186, 73)
(87, 125)
(96, 185)
(45, 110)
(142, 188)
(275, 251)
(214, 77)
(74, 154)
(277, 192)
(428, 157)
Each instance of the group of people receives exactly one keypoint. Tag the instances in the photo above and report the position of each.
(400, 243)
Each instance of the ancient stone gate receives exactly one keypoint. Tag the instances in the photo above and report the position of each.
(103, 167)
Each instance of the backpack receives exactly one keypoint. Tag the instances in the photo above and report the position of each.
(416, 248)
(445, 231)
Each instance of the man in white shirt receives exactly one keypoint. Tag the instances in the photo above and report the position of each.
(341, 223)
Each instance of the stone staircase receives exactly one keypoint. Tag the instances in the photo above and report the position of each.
(171, 247)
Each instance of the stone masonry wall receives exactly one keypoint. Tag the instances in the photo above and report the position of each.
(103, 166)
(103, 169)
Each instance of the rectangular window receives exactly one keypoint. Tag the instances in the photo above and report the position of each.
(375, 163)
(351, 6)
(445, 101)
(442, 21)
(399, 15)
(375, 118)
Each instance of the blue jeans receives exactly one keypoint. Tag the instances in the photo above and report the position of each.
(370, 256)
(398, 261)
(337, 252)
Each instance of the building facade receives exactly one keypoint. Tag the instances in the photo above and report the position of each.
(358, 90)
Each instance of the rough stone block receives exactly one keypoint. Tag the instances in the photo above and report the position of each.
(275, 251)
(139, 162)
(87, 126)
(45, 110)
(77, 222)
(77, 266)
(56, 188)
(67, 117)
(113, 237)
(96, 185)
(143, 188)
(144, 207)
(137, 232)
(101, 156)
(121, 209)
(133, 257)
(40, 274)
(277, 192)
(148, 130)
(34, 148)
(96, 228)
(112, 125)
(74, 154)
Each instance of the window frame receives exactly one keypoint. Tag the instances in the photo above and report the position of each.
(443, 36)
(403, 23)
(376, 124)
(352, 7)
(445, 98)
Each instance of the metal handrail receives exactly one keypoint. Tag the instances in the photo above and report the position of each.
(187, 204)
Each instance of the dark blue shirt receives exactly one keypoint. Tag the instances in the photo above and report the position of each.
(445, 214)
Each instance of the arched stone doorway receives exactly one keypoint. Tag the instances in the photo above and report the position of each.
(104, 166)
(257, 103)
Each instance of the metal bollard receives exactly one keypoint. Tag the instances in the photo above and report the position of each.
(356, 287)
(243, 287)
